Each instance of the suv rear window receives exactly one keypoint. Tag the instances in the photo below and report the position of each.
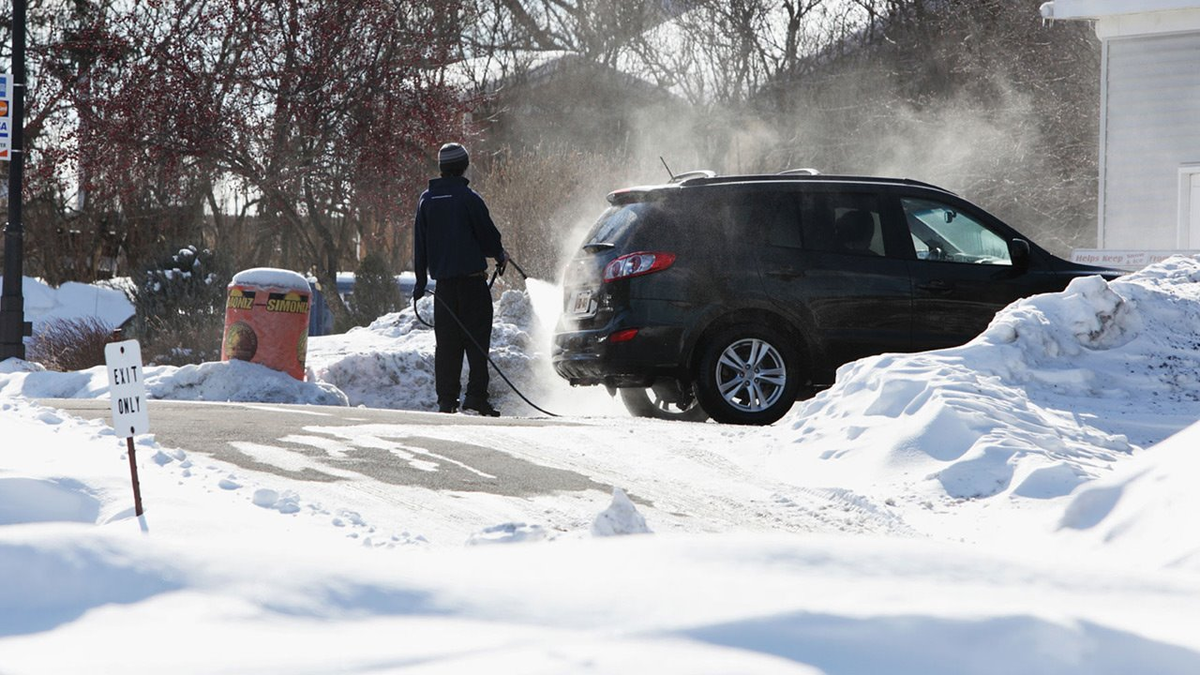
(616, 224)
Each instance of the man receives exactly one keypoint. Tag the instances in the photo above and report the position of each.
(452, 237)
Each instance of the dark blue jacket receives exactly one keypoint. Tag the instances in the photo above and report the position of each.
(453, 232)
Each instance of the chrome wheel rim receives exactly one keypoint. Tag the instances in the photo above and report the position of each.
(751, 375)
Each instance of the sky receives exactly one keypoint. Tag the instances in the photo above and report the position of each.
(1016, 504)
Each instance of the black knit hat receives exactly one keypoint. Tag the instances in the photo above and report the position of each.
(452, 156)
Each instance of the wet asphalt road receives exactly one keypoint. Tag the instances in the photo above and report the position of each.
(325, 451)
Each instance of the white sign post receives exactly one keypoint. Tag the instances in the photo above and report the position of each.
(128, 397)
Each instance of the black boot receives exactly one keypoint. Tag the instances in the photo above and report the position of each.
(482, 408)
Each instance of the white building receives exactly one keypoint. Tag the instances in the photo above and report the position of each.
(1149, 120)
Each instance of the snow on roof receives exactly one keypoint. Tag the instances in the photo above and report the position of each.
(73, 301)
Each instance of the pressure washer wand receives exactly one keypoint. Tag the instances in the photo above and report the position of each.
(518, 268)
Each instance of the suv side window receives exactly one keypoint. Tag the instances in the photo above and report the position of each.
(777, 213)
(941, 232)
(846, 222)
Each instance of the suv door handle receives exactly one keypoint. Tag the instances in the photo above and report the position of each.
(937, 287)
(787, 273)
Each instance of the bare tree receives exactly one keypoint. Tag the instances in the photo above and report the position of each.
(722, 53)
(598, 30)
(324, 111)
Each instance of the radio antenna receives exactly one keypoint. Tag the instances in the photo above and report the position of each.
(669, 172)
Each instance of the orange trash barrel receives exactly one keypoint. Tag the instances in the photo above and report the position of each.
(266, 319)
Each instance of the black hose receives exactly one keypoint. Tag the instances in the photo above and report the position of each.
(480, 347)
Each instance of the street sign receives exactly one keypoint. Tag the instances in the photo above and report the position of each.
(127, 388)
(127, 391)
(6, 80)
(5, 115)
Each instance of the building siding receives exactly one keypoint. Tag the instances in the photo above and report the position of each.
(1152, 127)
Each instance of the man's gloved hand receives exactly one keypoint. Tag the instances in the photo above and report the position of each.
(418, 292)
(502, 263)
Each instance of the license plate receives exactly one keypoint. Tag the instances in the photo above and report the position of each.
(581, 303)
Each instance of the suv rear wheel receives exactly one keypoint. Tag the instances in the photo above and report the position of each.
(748, 374)
(647, 403)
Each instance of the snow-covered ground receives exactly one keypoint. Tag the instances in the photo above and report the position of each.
(1020, 504)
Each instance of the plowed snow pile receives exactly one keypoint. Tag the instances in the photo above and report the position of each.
(1145, 509)
(212, 381)
(389, 364)
(1058, 388)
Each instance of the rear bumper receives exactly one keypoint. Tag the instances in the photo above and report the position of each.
(588, 357)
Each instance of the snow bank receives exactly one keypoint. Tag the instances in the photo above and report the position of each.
(237, 381)
(1057, 388)
(214, 381)
(389, 364)
(58, 469)
(1138, 509)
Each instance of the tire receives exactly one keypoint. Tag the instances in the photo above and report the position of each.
(749, 374)
(645, 403)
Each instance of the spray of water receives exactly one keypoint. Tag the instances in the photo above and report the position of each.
(546, 299)
(551, 391)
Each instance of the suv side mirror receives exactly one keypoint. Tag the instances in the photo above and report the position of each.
(1018, 251)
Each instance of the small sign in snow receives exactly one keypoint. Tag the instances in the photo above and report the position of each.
(127, 388)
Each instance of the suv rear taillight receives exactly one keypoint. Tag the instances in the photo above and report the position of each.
(637, 264)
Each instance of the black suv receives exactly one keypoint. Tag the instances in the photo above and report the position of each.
(731, 297)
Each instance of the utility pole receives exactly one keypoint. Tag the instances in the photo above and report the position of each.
(13, 327)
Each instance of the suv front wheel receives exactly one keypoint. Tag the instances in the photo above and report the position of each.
(748, 374)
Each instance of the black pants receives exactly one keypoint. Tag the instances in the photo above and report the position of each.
(471, 301)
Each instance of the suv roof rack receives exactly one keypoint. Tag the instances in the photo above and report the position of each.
(790, 176)
(799, 172)
(691, 175)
